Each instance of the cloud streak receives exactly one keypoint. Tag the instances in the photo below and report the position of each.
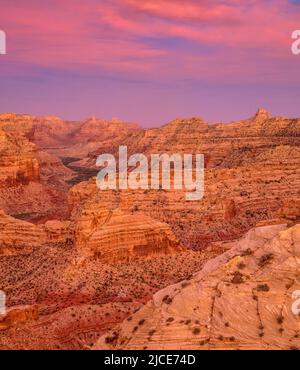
(156, 41)
(114, 34)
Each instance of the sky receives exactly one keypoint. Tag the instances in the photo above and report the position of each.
(150, 61)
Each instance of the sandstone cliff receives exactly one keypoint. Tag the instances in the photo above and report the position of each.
(118, 248)
(17, 160)
(33, 183)
(251, 186)
(114, 235)
(20, 237)
(18, 315)
(79, 293)
(240, 300)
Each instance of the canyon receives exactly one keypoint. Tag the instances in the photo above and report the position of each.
(86, 268)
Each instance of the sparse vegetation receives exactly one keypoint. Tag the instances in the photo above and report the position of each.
(247, 252)
(241, 266)
(265, 259)
(111, 339)
(196, 331)
(280, 319)
(237, 278)
(167, 299)
(263, 288)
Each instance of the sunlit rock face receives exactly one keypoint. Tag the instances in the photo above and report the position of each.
(18, 316)
(240, 300)
(249, 187)
(115, 235)
(21, 237)
(89, 259)
(32, 181)
(252, 167)
(17, 161)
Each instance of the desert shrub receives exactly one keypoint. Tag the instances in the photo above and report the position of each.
(263, 288)
(280, 319)
(196, 331)
(237, 278)
(167, 299)
(241, 265)
(247, 252)
(111, 339)
(265, 259)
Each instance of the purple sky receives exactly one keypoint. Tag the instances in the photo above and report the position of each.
(149, 61)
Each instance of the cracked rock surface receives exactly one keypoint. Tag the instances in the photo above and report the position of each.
(240, 300)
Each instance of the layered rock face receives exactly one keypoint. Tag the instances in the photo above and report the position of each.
(290, 210)
(53, 173)
(101, 130)
(241, 300)
(110, 235)
(94, 135)
(217, 141)
(33, 183)
(247, 189)
(252, 166)
(115, 236)
(17, 161)
(20, 237)
(67, 138)
(17, 316)
(266, 147)
(14, 123)
(46, 132)
(118, 248)
(82, 289)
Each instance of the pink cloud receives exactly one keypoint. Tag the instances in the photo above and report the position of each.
(191, 10)
(112, 36)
